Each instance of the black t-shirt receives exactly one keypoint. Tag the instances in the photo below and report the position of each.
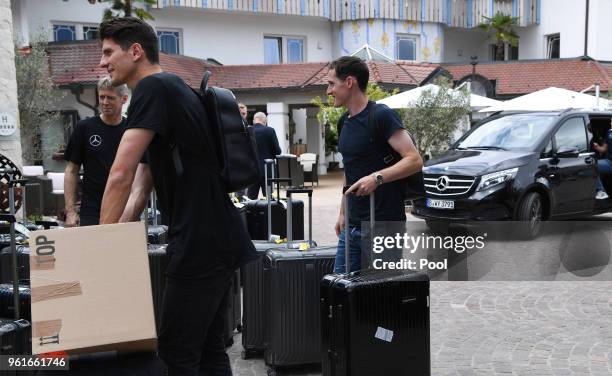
(205, 232)
(362, 156)
(94, 145)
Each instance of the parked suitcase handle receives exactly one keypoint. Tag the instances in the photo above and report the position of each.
(299, 190)
(269, 189)
(347, 239)
(11, 219)
(290, 191)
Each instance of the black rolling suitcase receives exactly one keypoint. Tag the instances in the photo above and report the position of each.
(23, 264)
(15, 337)
(254, 312)
(268, 216)
(15, 333)
(158, 261)
(293, 329)
(257, 218)
(234, 309)
(375, 322)
(7, 305)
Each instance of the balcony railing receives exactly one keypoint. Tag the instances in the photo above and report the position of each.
(454, 13)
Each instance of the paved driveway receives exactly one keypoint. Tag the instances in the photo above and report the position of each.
(493, 327)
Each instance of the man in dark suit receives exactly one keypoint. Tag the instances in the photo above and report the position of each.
(268, 148)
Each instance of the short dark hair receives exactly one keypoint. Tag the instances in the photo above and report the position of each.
(126, 31)
(352, 66)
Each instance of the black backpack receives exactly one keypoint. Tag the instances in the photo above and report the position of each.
(413, 186)
(234, 140)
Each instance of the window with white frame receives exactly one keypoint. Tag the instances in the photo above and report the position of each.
(63, 33)
(283, 49)
(169, 41)
(91, 32)
(406, 47)
(553, 46)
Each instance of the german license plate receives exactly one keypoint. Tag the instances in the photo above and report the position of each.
(440, 204)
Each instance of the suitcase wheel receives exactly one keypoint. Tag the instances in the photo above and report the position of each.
(273, 372)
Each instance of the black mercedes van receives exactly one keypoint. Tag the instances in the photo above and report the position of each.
(526, 167)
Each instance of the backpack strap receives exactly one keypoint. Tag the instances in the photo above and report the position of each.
(341, 123)
(390, 156)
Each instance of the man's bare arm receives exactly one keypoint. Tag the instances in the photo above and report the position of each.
(118, 187)
(71, 184)
(141, 189)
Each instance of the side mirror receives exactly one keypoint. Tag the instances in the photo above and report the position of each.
(567, 152)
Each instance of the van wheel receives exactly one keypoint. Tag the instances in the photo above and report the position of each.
(529, 215)
(438, 227)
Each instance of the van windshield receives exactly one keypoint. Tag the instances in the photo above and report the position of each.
(512, 132)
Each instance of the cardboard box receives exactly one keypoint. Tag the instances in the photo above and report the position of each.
(91, 290)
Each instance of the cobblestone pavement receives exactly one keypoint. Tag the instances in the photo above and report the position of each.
(508, 328)
(493, 328)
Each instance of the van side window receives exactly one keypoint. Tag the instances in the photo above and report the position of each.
(572, 134)
(547, 152)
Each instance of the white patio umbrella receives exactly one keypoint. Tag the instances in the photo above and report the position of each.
(550, 99)
(409, 98)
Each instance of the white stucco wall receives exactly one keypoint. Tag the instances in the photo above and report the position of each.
(381, 35)
(234, 38)
(600, 36)
(565, 17)
(34, 15)
(460, 44)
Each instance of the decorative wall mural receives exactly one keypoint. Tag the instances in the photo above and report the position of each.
(384, 41)
(383, 36)
(437, 45)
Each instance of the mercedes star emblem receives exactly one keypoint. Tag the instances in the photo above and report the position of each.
(442, 183)
(95, 140)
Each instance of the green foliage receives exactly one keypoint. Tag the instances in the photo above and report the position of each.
(37, 96)
(127, 8)
(500, 27)
(435, 117)
(329, 115)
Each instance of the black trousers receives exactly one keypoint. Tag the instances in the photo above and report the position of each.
(193, 325)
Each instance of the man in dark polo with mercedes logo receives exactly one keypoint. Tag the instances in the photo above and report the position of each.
(93, 145)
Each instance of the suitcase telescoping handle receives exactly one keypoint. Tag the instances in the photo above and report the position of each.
(291, 191)
(347, 257)
(11, 219)
(269, 189)
(278, 182)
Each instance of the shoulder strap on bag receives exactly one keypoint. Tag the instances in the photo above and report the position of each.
(341, 123)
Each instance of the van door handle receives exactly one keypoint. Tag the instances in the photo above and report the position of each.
(589, 160)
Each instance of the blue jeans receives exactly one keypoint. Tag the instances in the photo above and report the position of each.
(604, 166)
(354, 249)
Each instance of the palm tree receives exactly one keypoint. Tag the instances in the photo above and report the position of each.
(127, 8)
(501, 29)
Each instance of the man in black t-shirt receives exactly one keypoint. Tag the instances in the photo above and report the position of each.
(93, 144)
(363, 158)
(207, 241)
